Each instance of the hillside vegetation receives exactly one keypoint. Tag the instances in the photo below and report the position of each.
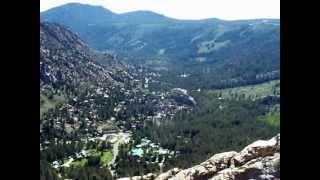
(209, 50)
(253, 91)
(129, 94)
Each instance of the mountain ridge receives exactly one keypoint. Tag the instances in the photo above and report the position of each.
(74, 4)
(203, 48)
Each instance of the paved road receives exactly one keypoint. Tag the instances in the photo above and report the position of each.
(121, 139)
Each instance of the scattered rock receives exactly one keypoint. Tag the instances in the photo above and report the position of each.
(181, 96)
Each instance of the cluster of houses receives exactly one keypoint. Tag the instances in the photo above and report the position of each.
(81, 115)
(154, 150)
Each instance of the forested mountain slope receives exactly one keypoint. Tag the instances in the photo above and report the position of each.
(221, 53)
(88, 109)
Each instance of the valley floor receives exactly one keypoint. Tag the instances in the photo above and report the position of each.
(135, 146)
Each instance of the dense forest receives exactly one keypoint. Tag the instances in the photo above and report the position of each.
(216, 125)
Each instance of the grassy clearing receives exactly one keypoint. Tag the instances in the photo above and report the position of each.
(271, 118)
(106, 158)
(258, 90)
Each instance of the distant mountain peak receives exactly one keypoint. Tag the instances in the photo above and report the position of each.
(79, 9)
(80, 5)
(76, 12)
(247, 46)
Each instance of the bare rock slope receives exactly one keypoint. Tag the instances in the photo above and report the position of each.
(259, 160)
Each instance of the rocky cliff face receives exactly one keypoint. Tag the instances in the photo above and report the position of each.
(259, 160)
(73, 85)
(66, 60)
